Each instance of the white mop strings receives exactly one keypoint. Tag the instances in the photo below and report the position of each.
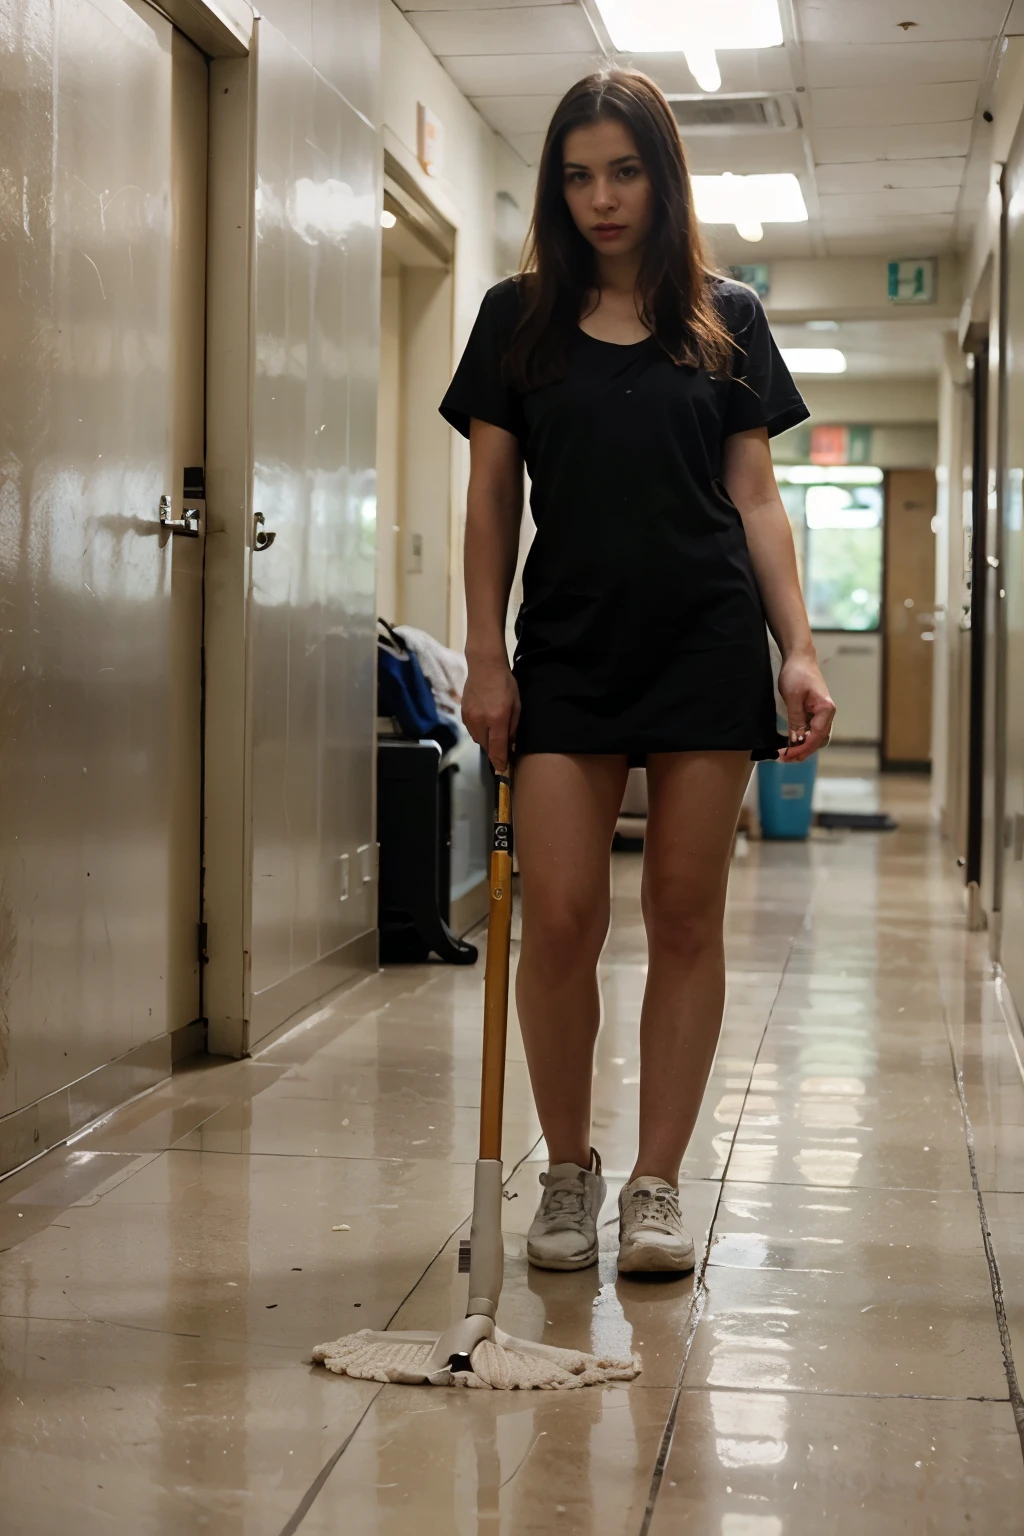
(501, 1363)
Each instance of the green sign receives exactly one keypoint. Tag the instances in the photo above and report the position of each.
(912, 282)
(755, 276)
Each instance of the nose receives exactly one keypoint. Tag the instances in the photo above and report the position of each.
(605, 198)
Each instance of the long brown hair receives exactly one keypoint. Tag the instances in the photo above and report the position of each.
(559, 265)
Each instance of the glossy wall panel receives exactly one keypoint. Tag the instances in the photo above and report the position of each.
(1010, 580)
(313, 647)
(88, 919)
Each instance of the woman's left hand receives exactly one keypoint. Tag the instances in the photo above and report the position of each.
(809, 707)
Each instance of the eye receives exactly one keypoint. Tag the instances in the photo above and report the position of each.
(576, 176)
(629, 172)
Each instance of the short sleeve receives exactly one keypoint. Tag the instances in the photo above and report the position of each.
(478, 389)
(761, 390)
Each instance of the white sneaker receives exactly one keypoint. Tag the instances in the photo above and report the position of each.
(564, 1231)
(651, 1232)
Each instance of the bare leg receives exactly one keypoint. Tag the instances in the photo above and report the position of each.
(565, 808)
(694, 801)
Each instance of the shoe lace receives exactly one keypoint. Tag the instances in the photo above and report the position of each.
(563, 1202)
(658, 1208)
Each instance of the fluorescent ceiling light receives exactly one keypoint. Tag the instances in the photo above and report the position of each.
(749, 202)
(694, 28)
(830, 474)
(814, 359)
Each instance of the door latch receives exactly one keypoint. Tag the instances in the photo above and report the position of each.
(262, 536)
(186, 526)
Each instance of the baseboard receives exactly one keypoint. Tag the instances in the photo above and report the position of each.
(276, 1005)
(39, 1127)
(189, 1040)
(889, 765)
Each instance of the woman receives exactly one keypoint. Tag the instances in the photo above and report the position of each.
(640, 390)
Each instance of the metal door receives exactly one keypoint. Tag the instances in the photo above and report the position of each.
(312, 616)
(909, 616)
(1006, 603)
(104, 131)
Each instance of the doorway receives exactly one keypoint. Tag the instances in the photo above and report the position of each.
(909, 624)
(417, 542)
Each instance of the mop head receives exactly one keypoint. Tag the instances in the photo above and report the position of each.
(501, 1363)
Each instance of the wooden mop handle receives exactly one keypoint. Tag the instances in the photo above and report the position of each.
(499, 940)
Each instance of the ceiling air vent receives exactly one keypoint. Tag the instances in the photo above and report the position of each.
(724, 114)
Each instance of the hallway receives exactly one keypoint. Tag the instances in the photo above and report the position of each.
(840, 1366)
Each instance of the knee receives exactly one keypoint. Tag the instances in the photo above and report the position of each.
(563, 933)
(682, 925)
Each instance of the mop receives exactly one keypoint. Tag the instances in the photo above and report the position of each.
(475, 1352)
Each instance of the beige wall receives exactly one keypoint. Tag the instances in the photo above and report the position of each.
(913, 401)
(389, 418)
(477, 166)
(953, 483)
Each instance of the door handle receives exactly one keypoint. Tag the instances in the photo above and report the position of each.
(262, 537)
(186, 526)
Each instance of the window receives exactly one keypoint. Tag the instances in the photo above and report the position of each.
(836, 515)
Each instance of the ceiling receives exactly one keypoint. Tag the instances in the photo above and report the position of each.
(888, 120)
(910, 347)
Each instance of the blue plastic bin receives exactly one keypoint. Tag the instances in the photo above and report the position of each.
(784, 795)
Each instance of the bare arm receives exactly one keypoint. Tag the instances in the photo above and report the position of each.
(750, 480)
(494, 509)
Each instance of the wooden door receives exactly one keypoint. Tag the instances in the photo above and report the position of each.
(909, 617)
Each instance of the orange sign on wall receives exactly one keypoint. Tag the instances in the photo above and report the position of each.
(830, 445)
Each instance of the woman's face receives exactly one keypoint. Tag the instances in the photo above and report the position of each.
(607, 189)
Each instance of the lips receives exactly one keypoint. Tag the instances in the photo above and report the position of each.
(608, 229)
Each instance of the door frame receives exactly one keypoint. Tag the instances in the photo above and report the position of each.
(227, 31)
(979, 591)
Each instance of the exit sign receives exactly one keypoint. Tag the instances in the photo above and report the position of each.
(912, 282)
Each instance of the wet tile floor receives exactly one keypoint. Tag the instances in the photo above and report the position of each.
(837, 1366)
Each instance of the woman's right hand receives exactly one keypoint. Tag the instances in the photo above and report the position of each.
(490, 709)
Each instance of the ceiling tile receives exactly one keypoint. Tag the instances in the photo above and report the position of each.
(528, 146)
(861, 107)
(899, 237)
(759, 69)
(512, 115)
(746, 153)
(875, 21)
(869, 64)
(878, 205)
(904, 141)
(410, 7)
(519, 74)
(780, 240)
(538, 28)
(888, 346)
(881, 175)
(854, 242)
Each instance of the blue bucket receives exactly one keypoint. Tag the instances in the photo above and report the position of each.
(785, 792)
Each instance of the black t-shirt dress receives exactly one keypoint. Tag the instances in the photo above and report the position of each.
(642, 628)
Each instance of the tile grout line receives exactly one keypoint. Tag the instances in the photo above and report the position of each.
(457, 1228)
(995, 1278)
(700, 1289)
(304, 1505)
(825, 1393)
(316, 1486)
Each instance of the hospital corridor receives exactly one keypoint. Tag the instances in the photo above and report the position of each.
(307, 956)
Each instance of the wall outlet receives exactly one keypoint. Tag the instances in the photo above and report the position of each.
(414, 565)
